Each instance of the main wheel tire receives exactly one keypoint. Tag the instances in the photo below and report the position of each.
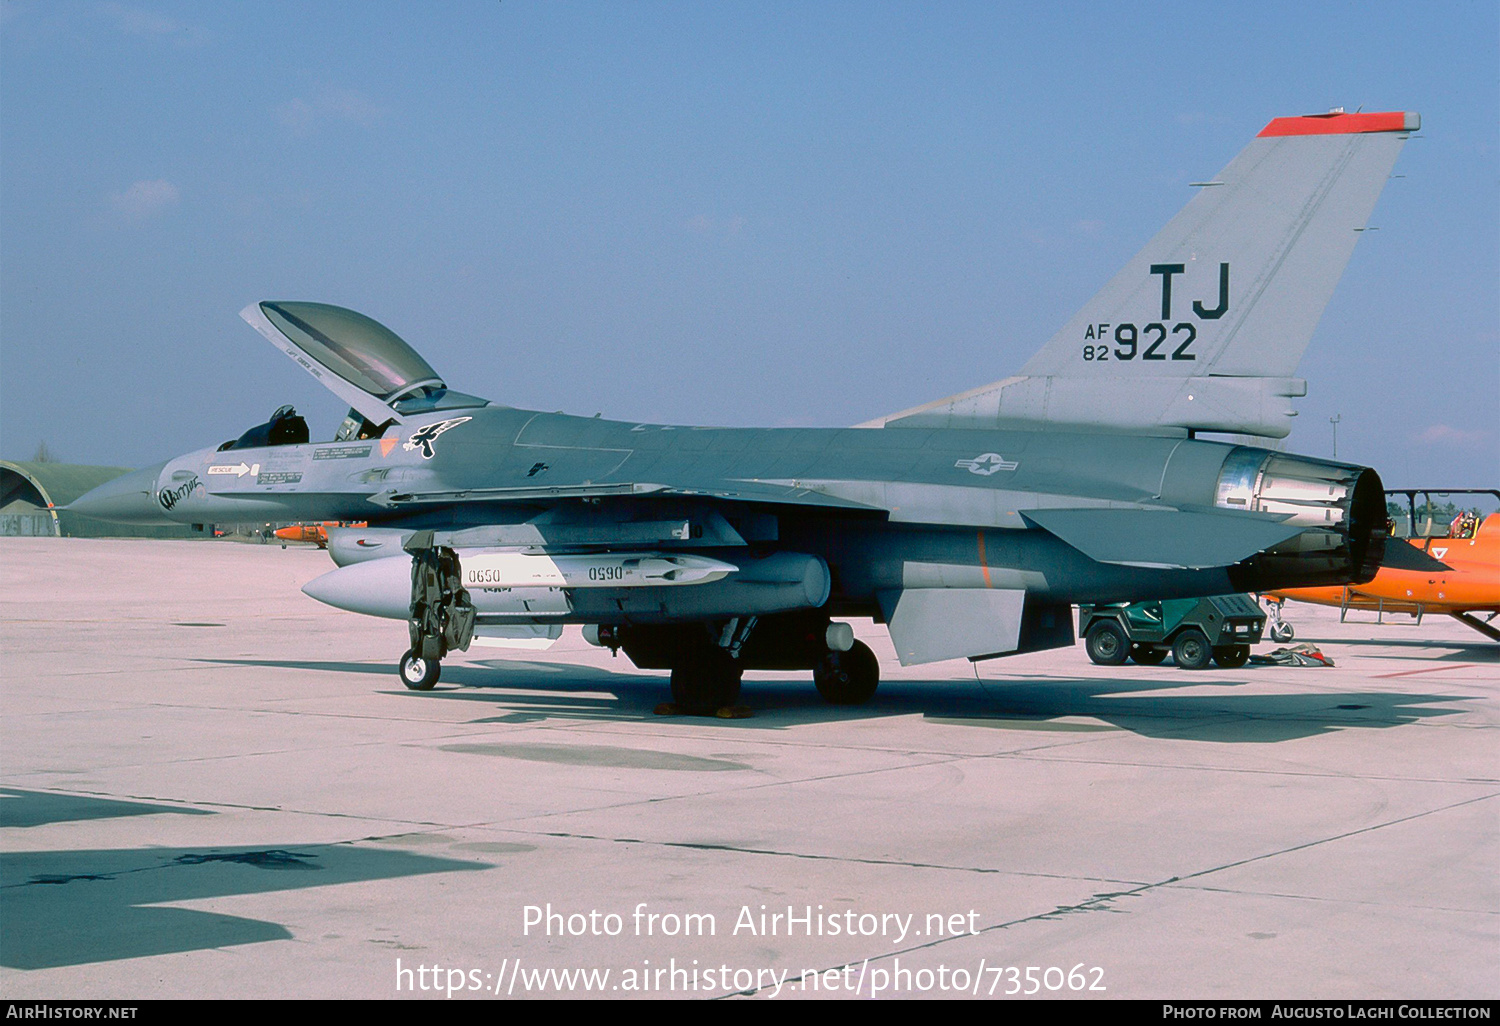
(417, 673)
(1149, 655)
(1232, 657)
(1282, 633)
(706, 680)
(1191, 650)
(848, 678)
(1106, 643)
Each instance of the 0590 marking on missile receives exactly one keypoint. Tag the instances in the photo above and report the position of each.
(1128, 337)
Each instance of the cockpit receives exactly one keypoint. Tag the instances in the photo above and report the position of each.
(358, 359)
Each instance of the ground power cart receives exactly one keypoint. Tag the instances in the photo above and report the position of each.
(1220, 627)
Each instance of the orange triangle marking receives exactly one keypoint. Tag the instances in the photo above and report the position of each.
(387, 444)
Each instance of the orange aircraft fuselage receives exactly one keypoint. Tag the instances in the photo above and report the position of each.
(1471, 585)
(314, 533)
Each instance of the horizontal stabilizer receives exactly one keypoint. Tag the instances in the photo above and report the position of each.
(1409, 557)
(1175, 539)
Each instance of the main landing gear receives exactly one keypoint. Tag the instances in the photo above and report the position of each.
(848, 678)
(441, 618)
(707, 659)
(705, 680)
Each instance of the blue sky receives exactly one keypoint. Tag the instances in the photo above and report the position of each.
(742, 213)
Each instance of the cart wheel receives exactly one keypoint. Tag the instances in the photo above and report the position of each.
(1106, 643)
(1191, 650)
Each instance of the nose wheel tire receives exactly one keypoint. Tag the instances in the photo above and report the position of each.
(417, 673)
(848, 678)
(1282, 632)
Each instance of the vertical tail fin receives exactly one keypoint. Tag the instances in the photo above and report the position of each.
(1204, 327)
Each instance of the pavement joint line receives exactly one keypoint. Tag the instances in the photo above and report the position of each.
(775, 853)
(761, 785)
(1250, 893)
(790, 742)
(240, 711)
(1192, 768)
(749, 744)
(1334, 837)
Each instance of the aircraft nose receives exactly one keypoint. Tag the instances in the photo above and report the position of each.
(128, 499)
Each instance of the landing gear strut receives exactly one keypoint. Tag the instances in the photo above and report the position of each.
(706, 676)
(441, 617)
(1279, 629)
(705, 679)
(708, 657)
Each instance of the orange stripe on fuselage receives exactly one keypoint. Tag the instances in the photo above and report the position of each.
(983, 564)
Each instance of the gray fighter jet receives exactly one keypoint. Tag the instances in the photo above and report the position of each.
(970, 526)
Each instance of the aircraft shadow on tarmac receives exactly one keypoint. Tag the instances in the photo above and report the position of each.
(34, 808)
(533, 690)
(60, 908)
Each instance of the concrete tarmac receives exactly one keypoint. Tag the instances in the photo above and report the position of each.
(212, 786)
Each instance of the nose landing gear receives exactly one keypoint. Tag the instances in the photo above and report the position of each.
(442, 617)
(417, 673)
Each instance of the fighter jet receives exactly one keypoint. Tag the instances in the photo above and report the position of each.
(969, 525)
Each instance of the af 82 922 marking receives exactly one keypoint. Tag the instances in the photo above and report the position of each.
(1128, 339)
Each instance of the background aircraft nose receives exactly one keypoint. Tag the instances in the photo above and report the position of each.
(128, 499)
